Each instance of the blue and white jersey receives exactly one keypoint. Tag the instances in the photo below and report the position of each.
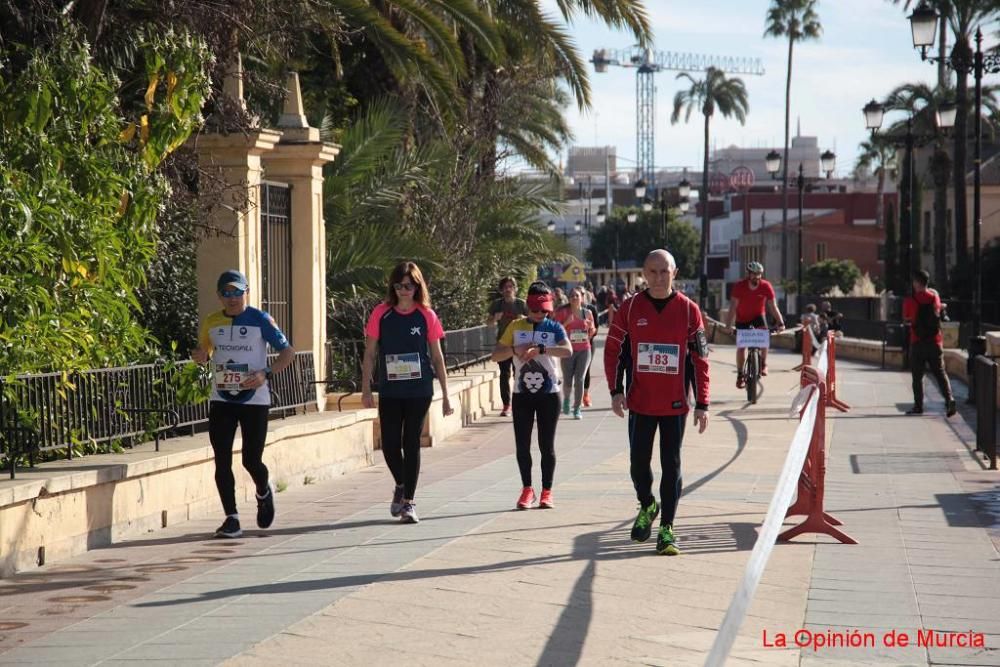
(237, 346)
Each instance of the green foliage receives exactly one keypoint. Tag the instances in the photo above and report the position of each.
(821, 277)
(636, 240)
(79, 198)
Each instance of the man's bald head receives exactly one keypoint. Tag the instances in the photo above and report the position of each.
(658, 257)
(659, 269)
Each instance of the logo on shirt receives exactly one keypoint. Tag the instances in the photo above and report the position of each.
(221, 331)
(642, 322)
(243, 332)
(414, 331)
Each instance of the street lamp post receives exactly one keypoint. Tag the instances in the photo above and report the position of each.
(924, 27)
(828, 161)
(874, 114)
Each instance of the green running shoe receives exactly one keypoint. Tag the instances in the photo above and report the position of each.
(643, 525)
(666, 543)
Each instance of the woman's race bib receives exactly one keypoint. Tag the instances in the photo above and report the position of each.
(578, 336)
(402, 366)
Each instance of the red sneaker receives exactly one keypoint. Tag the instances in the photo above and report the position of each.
(506, 411)
(740, 381)
(546, 501)
(586, 399)
(763, 371)
(527, 499)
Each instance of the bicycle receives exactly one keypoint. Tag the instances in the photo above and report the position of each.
(752, 365)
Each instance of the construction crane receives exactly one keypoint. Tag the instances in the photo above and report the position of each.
(647, 63)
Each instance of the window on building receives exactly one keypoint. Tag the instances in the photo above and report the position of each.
(881, 252)
(927, 232)
(820, 252)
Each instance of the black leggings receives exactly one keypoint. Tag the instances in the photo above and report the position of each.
(222, 421)
(401, 421)
(525, 407)
(642, 429)
(506, 369)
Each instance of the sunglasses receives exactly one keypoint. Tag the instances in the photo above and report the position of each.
(231, 293)
(408, 287)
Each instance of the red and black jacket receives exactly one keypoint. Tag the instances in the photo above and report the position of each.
(653, 346)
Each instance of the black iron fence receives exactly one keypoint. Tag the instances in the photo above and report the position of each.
(985, 386)
(462, 348)
(117, 407)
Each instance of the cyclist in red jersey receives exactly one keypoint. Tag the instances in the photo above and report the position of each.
(749, 302)
(652, 336)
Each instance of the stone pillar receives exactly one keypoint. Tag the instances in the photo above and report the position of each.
(233, 241)
(298, 160)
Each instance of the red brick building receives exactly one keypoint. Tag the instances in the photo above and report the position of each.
(835, 225)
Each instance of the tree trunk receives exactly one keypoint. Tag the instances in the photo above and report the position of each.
(784, 166)
(892, 282)
(940, 170)
(705, 226)
(958, 169)
(880, 201)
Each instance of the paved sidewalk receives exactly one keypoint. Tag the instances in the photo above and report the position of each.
(338, 582)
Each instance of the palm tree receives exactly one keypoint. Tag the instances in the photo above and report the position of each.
(878, 155)
(964, 17)
(729, 96)
(797, 20)
(922, 102)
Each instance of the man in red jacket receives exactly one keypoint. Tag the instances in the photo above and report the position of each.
(922, 312)
(650, 340)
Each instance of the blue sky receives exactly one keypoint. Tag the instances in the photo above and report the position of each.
(864, 52)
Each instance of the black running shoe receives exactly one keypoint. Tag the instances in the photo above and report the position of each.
(396, 506)
(643, 526)
(265, 509)
(915, 411)
(951, 408)
(229, 528)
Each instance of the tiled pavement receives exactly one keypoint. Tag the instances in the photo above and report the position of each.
(337, 582)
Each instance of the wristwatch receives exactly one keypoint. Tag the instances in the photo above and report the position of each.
(541, 348)
(268, 373)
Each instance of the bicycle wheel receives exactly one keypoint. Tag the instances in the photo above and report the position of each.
(752, 374)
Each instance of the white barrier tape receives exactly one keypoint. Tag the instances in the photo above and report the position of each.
(815, 341)
(821, 366)
(780, 502)
(800, 400)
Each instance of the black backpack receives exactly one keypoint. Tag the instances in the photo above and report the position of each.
(927, 324)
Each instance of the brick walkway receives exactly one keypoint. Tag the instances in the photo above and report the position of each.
(338, 582)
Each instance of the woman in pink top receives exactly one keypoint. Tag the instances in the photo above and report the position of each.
(403, 341)
(579, 324)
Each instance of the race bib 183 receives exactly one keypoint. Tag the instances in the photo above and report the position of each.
(661, 358)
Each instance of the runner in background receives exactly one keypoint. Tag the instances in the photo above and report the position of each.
(405, 335)
(652, 335)
(922, 312)
(535, 342)
(596, 314)
(749, 302)
(235, 339)
(502, 312)
(579, 324)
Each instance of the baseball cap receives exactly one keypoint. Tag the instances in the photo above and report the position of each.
(540, 302)
(232, 277)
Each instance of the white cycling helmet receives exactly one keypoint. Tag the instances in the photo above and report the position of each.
(755, 267)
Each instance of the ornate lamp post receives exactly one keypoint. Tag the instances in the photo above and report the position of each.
(924, 28)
